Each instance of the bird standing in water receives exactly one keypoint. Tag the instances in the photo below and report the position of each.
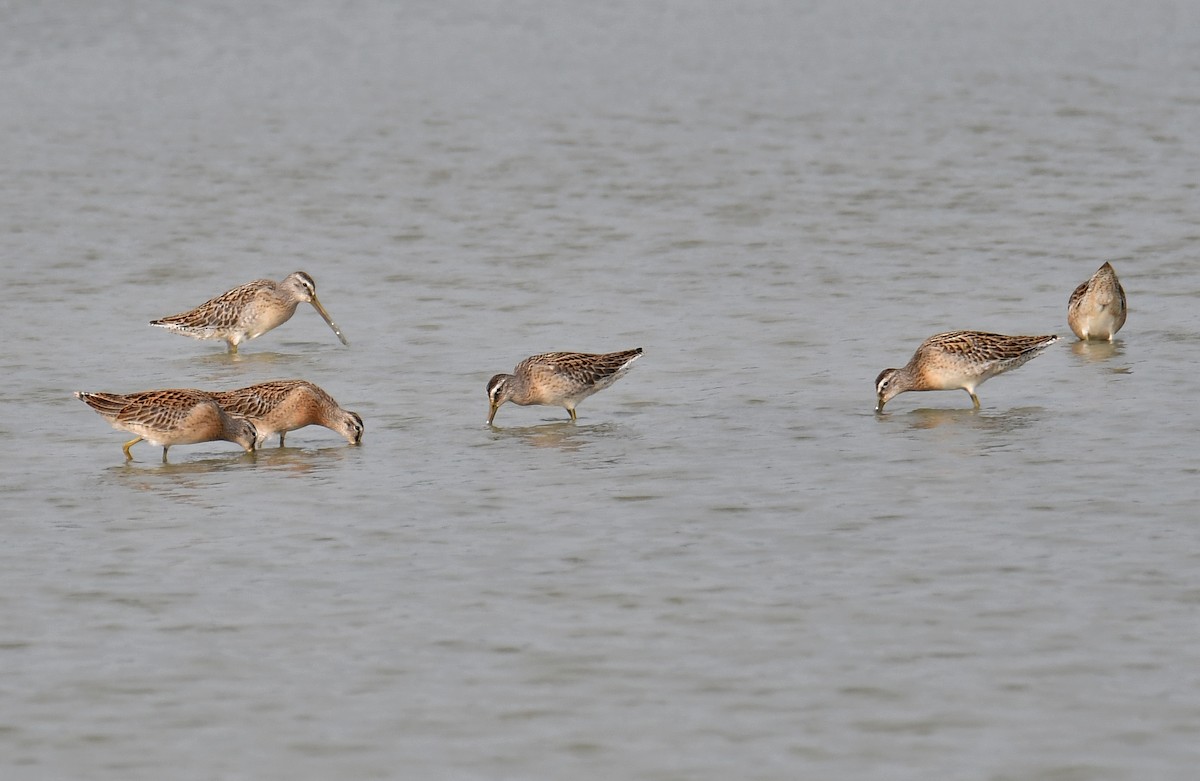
(558, 379)
(1096, 309)
(285, 405)
(248, 311)
(958, 360)
(177, 416)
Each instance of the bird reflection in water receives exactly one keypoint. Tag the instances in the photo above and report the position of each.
(1096, 351)
(562, 435)
(992, 423)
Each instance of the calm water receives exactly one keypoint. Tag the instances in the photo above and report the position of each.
(730, 568)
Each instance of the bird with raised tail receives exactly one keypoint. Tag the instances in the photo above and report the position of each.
(558, 379)
(958, 360)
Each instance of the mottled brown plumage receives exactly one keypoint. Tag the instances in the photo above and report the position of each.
(958, 360)
(1097, 309)
(281, 406)
(248, 310)
(176, 416)
(558, 379)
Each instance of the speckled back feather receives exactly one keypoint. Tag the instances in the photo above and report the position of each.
(980, 349)
(280, 406)
(221, 313)
(584, 369)
(256, 401)
(165, 410)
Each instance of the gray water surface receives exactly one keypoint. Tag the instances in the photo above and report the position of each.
(730, 567)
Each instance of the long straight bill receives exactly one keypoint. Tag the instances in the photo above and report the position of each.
(317, 305)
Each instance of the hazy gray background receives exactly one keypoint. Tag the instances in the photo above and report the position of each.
(730, 567)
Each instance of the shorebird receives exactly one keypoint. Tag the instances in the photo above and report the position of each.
(179, 416)
(285, 405)
(248, 310)
(1097, 307)
(558, 379)
(958, 359)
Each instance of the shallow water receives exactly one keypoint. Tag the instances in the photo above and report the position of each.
(730, 567)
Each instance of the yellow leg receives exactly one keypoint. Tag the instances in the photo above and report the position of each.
(975, 399)
(572, 411)
(165, 453)
(233, 348)
(129, 444)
